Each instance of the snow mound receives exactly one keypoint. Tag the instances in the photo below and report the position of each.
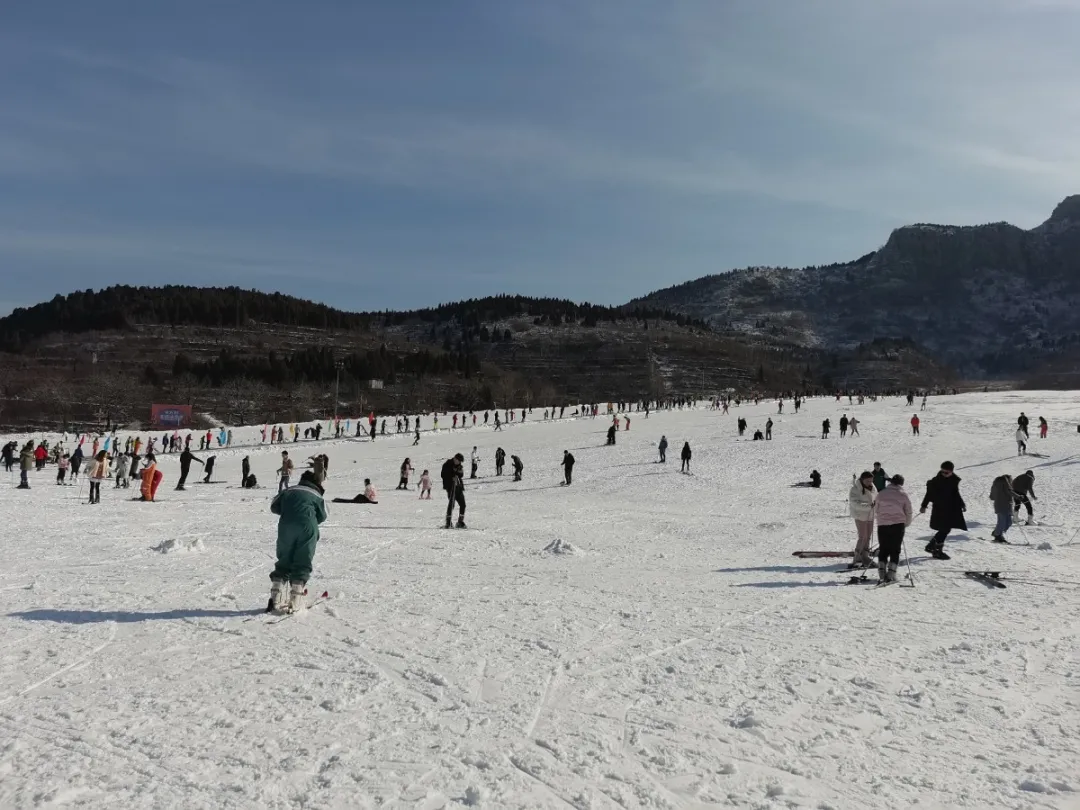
(558, 546)
(181, 545)
(1044, 547)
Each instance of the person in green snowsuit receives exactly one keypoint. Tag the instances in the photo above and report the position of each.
(300, 509)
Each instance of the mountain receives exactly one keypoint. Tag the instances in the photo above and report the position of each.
(989, 299)
(97, 356)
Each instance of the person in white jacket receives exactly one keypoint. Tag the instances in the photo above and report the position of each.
(894, 514)
(861, 502)
(1021, 442)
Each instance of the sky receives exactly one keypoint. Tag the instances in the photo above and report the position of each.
(379, 155)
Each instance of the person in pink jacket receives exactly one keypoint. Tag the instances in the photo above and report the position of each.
(894, 514)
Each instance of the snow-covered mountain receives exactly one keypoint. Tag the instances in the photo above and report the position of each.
(990, 298)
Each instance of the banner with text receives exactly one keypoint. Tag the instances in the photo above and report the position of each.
(170, 416)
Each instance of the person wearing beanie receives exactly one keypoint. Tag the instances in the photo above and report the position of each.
(943, 491)
(300, 510)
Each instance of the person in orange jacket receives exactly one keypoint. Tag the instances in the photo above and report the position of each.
(915, 424)
(151, 478)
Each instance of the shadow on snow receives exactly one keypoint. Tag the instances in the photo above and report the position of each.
(126, 616)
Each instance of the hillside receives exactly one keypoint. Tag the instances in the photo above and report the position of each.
(990, 299)
(96, 357)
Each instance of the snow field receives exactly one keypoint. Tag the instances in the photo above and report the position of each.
(640, 639)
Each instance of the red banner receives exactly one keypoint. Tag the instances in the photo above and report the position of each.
(170, 416)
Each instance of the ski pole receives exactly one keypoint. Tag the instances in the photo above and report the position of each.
(907, 559)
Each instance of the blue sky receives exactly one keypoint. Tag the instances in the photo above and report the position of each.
(399, 154)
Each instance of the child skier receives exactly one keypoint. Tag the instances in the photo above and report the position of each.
(425, 486)
(301, 509)
(1021, 442)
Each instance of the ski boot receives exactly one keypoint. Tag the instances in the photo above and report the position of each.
(279, 598)
(461, 523)
(890, 573)
(997, 538)
(882, 575)
(449, 524)
(1030, 521)
(297, 592)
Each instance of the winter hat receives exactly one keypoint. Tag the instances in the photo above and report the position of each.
(897, 480)
(947, 465)
(1031, 474)
(459, 457)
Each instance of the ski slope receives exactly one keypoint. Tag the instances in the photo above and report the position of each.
(673, 654)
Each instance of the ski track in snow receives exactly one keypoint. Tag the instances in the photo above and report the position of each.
(680, 657)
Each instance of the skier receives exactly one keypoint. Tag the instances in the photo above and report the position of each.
(1043, 428)
(611, 435)
(285, 471)
(741, 424)
(98, 473)
(861, 501)
(453, 474)
(662, 447)
(318, 468)
(76, 462)
(475, 462)
(369, 495)
(62, 469)
(1023, 487)
(122, 472)
(26, 463)
(568, 468)
(843, 426)
(406, 469)
(300, 511)
(500, 460)
(853, 426)
(915, 424)
(518, 466)
(825, 429)
(1022, 423)
(245, 472)
(1003, 496)
(880, 476)
(151, 478)
(685, 457)
(425, 486)
(894, 515)
(943, 490)
(1021, 442)
(768, 429)
(186, 457)
(209, 469)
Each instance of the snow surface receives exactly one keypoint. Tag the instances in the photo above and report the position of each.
(669, 652)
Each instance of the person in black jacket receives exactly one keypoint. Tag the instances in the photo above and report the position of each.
(1022, 423)
(943, 490)
(825, 429)
(568, 468)
(453, 474)
(611, 435)
(1023, 487)
(685, 457)
(518, 467)
(245, 471)
(500, 460)
(186, 457)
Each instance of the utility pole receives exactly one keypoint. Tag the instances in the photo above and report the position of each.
(340, 364)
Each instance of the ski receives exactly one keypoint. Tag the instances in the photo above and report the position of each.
(988, 578)
(282, 616)
(811, 555)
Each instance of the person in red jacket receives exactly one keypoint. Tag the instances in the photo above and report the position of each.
(915, 424)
